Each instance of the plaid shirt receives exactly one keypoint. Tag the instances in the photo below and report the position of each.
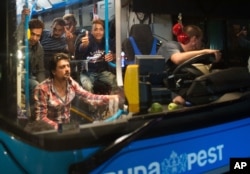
(51, 108)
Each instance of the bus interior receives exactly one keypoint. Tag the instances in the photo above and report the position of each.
(215, 119)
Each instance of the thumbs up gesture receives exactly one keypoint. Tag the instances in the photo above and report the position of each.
(85, 40)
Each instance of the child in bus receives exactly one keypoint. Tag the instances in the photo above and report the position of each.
(54, 95)
(92, 48)
(176, 53)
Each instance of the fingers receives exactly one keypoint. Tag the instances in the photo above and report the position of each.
(217, 56)
(85, 40)
(179, 100)
(71, 29)
(66, 29)
(26, 11)
(108, 57)
(68, 34)
(113, 104)
(121, 99)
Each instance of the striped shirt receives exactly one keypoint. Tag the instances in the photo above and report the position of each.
(50, 108)
(51, 43)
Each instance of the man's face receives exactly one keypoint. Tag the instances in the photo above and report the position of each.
(35, 35)
(196, 43)
(62, 70)
(57, 30)
(98, 31)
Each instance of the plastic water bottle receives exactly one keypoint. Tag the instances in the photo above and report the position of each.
(122, 59)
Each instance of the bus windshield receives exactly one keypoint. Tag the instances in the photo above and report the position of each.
(70, 75)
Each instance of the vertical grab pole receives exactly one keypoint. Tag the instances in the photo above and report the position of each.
(118, 38)
(119, 76)
(27, 97)
(106, 26)
(118, 51)
(107, 30)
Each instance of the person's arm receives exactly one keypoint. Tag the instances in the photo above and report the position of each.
(20, 28)
(71, 44)
(88, 96)
(94, 99)
(167, 49)
(41, 106)
(180, 57)
(70, 39)
(85, 44)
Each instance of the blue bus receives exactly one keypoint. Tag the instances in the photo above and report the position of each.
(201, 137)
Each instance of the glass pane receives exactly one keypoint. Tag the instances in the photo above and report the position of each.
(49, 33)
(59, 97)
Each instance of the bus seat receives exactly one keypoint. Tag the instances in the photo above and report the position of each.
(143, 37)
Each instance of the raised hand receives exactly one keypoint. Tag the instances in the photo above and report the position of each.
(69, 32)
(25, 12)
(85, 40)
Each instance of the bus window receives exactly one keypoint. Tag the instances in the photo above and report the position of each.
(19, 55)
(99, 138)
(44, 29)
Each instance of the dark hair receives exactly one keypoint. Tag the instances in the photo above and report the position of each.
(60, 21)
(98, 21)
(36, 23)
(54, 59)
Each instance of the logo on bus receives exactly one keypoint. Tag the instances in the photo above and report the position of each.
(178, 163)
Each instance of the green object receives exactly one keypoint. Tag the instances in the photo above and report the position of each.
(173, 106)
(156, 107)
